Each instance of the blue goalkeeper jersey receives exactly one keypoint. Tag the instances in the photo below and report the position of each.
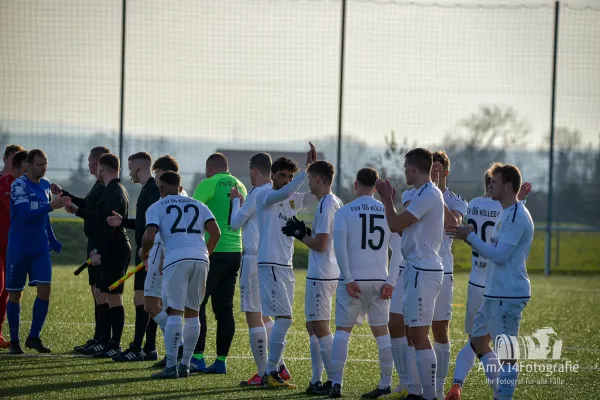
(30, 230)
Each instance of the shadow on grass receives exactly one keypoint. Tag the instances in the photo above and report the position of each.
(54, 387)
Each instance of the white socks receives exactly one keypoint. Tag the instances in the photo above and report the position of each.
(326, 344)
(277, 343)
(339, 354)
(491, 367)
(315, 358)
(400, 355)
(161, 320)
(442, 354)
(191, 331)
(509, 374)
(414, 379)
(259, 345)
(173, 333)
(464, 363)
(426, 364)
(386, 361)
(269, 328)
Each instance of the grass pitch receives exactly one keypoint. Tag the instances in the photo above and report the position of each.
(569, 304)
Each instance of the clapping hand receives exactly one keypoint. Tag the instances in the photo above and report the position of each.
(385, 189)
(235, 194)
(436, 172)
(60, 202)
(459, 231)
(524, 192)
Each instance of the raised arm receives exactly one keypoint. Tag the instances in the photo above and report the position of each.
(276, 196)
(499, 255)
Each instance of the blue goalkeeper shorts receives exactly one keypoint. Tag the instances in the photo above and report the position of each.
(19, 266)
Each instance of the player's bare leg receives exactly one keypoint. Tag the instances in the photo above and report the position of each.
(258, 345)
(441, 346)
(400, 356)
(40, 311)
(386, 362)
(13, 315)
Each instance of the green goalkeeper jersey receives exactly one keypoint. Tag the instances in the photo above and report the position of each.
(214, 193)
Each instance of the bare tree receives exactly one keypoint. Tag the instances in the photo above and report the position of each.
(483, 137)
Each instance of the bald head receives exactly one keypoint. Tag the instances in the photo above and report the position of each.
(215, 164)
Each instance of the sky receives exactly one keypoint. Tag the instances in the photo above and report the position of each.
(267, 71)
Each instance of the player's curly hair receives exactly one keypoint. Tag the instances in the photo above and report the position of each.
(284, 164)
(171, 178)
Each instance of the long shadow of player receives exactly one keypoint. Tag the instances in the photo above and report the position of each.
(55, 387)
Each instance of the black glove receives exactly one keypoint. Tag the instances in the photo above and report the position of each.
(296, 228)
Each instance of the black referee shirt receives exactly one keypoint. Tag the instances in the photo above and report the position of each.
(89, 202)
(114, 198)
(149, 195)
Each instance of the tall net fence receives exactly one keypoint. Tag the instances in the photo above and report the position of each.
(240, 76)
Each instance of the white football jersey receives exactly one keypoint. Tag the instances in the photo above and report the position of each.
(275, 248)
(180, 221)
(482, 213)
(367, 237)
(244, 217)
(323, 265)
(514, 226)
(422, 240)
(454, 203)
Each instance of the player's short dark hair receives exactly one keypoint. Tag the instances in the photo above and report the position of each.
(367, 177)
(217, 160)
(166, 163)
(18, 158)
(441, 157)
(262, 162)
(324, 169)
(487, 178)
(96, 152)
(110, 160)
(32, 154)
(284, 164)
(11, 149)
(420, 158)
(509, 174)
(142, 155)
(171, 178)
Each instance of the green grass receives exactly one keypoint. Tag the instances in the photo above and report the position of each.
(566, 303)
(579, 252)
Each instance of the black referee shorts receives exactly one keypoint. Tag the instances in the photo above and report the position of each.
(113, 267)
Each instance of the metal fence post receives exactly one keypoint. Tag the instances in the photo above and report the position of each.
(548, 255)
(122, 100)
(338, 179)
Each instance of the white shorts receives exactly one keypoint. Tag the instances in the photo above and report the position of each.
(498, 317)
(184, 285)
(474, 301)
(396, 305)
(443, 302)
(276, 290)
(350, 311)
(421, 289)
(153, 282)
(318, 299)
(249, 285)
